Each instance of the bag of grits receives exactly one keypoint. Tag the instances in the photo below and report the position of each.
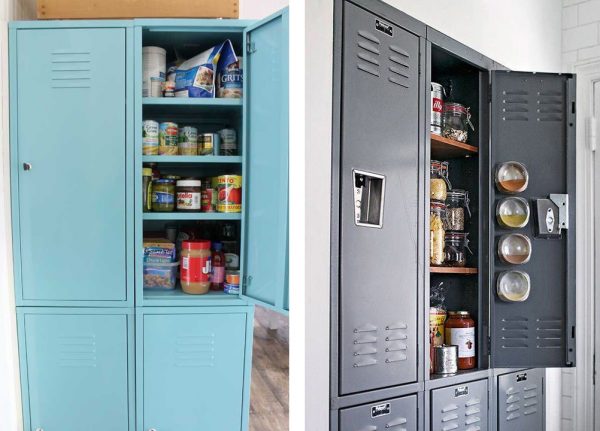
(197, 77)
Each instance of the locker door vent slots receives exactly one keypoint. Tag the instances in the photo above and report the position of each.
(461, 408)
(368, 53)
(195, 351)
(77, 351)
(71, 69)
(520, 400)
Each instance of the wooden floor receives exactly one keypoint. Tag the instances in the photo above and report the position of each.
(269, 402)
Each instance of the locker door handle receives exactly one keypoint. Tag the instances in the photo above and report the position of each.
(27, 167)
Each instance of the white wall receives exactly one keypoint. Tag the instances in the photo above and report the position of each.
(581, 31)
(256, 9)
(522, 35)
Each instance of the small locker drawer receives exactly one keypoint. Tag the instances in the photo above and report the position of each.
(398, 414)
(462, 407)
(76, 369)
(521, 401)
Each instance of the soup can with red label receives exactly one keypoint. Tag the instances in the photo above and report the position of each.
(229, 199)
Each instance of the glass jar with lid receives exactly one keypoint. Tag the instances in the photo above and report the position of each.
(460, 331)
(457, 201)
(456, 121)
(456, 247)
(439, 182)
(163, 195)
(437, 231)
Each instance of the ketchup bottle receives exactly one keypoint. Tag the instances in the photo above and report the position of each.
(218, 267)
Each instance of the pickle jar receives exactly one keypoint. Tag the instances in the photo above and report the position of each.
(456, 248)
(437, 228)
(163, 195)
(439, 183)
(457, 204)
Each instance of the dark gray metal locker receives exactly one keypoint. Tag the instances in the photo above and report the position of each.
(533, 123)
(378, 204)
(521, 401)
(399, 414)
(462, 407)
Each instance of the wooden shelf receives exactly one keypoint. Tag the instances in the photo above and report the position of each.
(444, 148)
(192, 216)
(452, 270)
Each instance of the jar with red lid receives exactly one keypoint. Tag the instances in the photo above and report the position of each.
(195, 266)
(460, 331)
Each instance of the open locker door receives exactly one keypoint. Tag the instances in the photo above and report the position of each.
(266, 135)
(533, 124)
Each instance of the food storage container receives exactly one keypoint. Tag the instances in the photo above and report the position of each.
(460, 332)
(456, 120)
(457, 201)
(437, 227)
(163, 195)
(439, 182)
(512, 212)
(160, 275)
(511, 177)
(456, 247)
(513, 286)
(514, 249)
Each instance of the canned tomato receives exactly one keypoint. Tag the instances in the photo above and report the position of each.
(188, 141)
(437, 106)
(150, 138)
(168, 139)
(229, 199)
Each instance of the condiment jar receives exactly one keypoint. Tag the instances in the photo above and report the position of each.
(457, 244)
(188, 195)
(460, 331)
(456, 120)
(456, 203)
(147, 189)
(195, 266)
(163, 195)
(437, 227)
(439, 183)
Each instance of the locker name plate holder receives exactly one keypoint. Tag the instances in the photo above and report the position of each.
(381, 410)
(369, 195)
(384, 27)
(461, 391)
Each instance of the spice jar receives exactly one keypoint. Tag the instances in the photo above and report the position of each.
(188, 195)
(456, 203)
(456, 120)
(457, 243)
(439, 183)
(163, 195)
(460, 331)
(195, 266)
(147, 189)
(437, 217)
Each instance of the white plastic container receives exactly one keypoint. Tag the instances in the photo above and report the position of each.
(154, 66)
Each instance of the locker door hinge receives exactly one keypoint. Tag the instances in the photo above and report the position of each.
(594, 369)
(250, 47)
(490, 92)
(489, 345)
(592, 133)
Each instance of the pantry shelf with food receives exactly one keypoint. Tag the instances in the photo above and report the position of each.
(452, 270)
(446, 148)
(199, 216)
(195, 160)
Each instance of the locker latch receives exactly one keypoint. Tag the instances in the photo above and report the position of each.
(369, 194)
(552, 215)
(250, 46)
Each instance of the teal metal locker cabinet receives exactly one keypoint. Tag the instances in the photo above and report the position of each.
(97, 351)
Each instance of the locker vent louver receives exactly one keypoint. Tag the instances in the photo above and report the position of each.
(70, 69)
(77, 351)
(530, 400)
(451, 416)
(368, 53)
(365, 345)
(397, 424)
(550, 106)
(400, 66)
(514, 333)
(195, 351)
(515, 105)
(549, 333)
(396, 342)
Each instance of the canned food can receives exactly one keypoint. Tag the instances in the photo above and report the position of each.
(232, 289)
(230, 194)
(232, 277)
(437, 106)
(207, 142)
(228, 142)
(168, 139)
(188, 141)
(208, 198)
(445, 359)
(150, 138)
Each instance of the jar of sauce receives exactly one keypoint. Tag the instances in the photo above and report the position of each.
(163, 195)
(460, 331)
(195, 266)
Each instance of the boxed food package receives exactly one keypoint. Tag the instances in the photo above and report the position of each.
(197, 77)
(84, 9)
(158, 250)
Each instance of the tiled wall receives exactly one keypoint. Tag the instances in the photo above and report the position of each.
(581, 31)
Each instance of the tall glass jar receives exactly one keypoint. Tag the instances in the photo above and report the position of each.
(457, 201)
(437, 228)
(460, 331)
(439, 183)
(455, 249)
